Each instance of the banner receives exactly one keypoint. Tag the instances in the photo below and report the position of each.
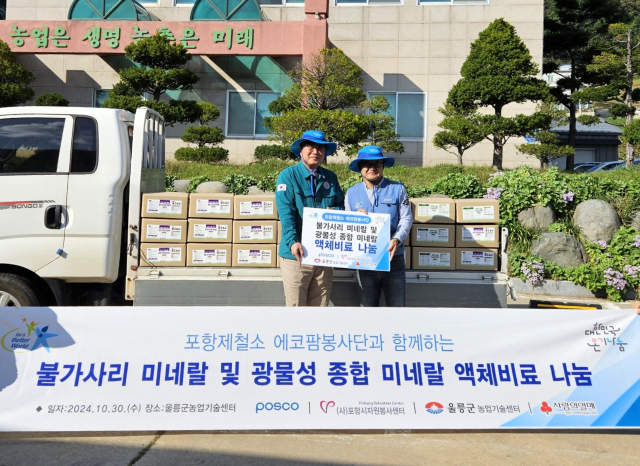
(348, 240)
(110, 369)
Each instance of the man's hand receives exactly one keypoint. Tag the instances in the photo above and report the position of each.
(297, 251)
(393, 245)
(363, 211)
(636, 306)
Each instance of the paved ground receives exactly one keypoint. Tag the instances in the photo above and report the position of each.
(327, 448)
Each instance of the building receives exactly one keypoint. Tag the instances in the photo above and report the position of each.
(595, 143)
(411, 51)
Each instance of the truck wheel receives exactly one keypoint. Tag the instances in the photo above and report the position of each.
(17, 291)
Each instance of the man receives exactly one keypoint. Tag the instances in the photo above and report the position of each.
(306, 184)
(378, 194)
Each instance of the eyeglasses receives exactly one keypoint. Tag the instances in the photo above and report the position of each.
(376, 164)
(318, 147)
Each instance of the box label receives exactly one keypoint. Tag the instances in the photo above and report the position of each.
(434, 259)
(209, 231)
(478, 258)
(209, 256)
(164, 255)
(164, 232)
(433, 210)
(164, 206)
(256, 208)
(254, 256)
(256, 232)
(486, 212)
(432, 235)
(478, 234)
(213, 206)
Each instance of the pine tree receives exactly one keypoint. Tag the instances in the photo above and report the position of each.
(14, 79)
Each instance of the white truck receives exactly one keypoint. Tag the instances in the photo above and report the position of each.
(71, 183)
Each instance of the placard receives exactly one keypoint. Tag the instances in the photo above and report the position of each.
(222, 368)
(348, 240)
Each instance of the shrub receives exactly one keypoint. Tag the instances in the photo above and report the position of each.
(202, 154)
(270, 151)
(51, 99)
(268, 182)
(458, 186)
(168, 183)
(197, 181)
(238, 184)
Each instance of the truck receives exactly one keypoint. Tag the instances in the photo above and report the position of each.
(71, 185)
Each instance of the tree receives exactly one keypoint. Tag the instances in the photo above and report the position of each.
(51, 99)
(573, 31)
(498, 71)
(631, 135)
(14, 79)
(204, 137)
(161, 70)
(461, 130)
(324, 89)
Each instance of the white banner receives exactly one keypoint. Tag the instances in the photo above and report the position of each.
(110, 369)
(348, 240)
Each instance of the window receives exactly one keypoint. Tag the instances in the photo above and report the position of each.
(184, 2)
(245, 111)
(84, 157)
(30, 145)
(453, 2)
(99, 96)
(408, 108)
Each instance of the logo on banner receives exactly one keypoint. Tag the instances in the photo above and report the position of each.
(31, 337)
(277, 406)
(325, 405)
(316, 260)
(434, 407)
(545, 408)
(575, 408)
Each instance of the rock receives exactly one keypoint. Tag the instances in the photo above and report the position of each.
(181, 186)
(537, 218)
(635, 220)
(255, 191)
(438, 195)
(597, 220)
(212, 187)
(563, 249)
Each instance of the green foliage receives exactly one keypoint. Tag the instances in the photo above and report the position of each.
(631, 133)
(197, 181)
(161, 70)
(547, 148)
(382, 132)
(346, 128)
(203, 135)
(202, 154)
(268, 182)
(208, 112)
(168, 183)
(458, 186)
(51, 99)
(238, 184)
(461, 130)
(271, 151)
(565, 225)
(14, 79)
(416, 190)
(349, 182)
(498, 71)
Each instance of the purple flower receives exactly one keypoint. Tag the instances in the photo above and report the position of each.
(493, 175)
(533, 271)
(632, 270)
(615, 279)
(493, 193)
(602, 244)
(567, 197)
(637, 241)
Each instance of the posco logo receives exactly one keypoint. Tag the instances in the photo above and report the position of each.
(324, 254)
(277, 406)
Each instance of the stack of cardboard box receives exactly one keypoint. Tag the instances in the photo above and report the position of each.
(210, 230)
(452, 234)
(255, 231)
(164, 229)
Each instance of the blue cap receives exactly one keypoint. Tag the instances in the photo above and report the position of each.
(370, 153)
(316, 137)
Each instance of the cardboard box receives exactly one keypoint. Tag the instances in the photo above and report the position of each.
(255, 231)
(165, 205)
(433, 236)
(162, 255)
(479, 236)
(407, 240)
(432, 258)
(477, 211)
(208, 255)
(214, 230)
(279, 240)
(476, 259)
(254, 207)
(254, 255)
(163, 231)
(433, 210)
(407, 258)
(211, 205)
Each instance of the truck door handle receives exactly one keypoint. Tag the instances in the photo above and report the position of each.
(53, 217)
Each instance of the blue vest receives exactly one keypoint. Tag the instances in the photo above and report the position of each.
(389, 199)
